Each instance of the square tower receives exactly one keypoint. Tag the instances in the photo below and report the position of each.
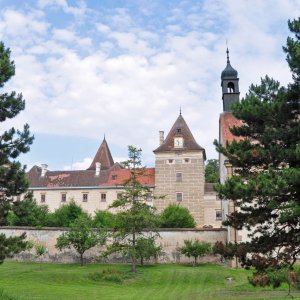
(179, 171)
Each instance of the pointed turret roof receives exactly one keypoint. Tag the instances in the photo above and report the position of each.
(179, 129)
(103, 156)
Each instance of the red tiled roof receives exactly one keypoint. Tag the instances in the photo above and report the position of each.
(227, 121)
(118, 177)
(103, 156)
(189, 140)
(85, 178)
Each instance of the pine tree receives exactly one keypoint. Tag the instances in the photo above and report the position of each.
(265, 186)
(134, 214)
(12, 143)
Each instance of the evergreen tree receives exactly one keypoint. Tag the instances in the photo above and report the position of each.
(265, 186)
(134, 215)
(212, 171)
(12, 143)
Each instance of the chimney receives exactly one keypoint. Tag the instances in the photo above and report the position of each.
(98, 167)
(44, 170)
(161, 137)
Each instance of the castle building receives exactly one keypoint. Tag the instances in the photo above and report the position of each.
(178, 175)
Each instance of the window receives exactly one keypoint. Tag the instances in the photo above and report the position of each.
(43, 198)
(114, 177)
(63, 197)
(186, 160)
(170, 161)
(230, 87)
(178, 130)
(179, 197)
(178, 177)
(218, 215)
(85, 197)
(103, 197)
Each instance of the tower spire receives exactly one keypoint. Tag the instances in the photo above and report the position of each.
(227, 51)
(180, 111)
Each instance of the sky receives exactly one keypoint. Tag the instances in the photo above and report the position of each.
(124, 69)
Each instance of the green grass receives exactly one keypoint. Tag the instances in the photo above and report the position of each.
(20, 281)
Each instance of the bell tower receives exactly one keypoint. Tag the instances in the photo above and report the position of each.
(230, 85)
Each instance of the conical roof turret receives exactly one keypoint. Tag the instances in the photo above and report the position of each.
(102, 156)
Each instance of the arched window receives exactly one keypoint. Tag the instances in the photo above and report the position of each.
(230, 87)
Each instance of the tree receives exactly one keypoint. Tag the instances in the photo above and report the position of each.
(40, 250)
(146, 248)
(66, 215)
(266, 180)
(176, 216)
(27, 213)
(81, 237)
(135, 215)
(195, 249)
(12, 143)
(104, 219)
(212, 171)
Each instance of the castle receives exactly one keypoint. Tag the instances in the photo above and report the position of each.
(178, 174)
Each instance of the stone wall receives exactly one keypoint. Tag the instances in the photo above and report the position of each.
(170, 240)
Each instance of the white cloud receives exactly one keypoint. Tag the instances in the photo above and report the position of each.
(79, 165)
(121, 78)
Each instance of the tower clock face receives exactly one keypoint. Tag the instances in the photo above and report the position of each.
(178, 142)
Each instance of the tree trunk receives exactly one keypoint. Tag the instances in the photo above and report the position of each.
(81, 259)
(133, 256)
(142, 261)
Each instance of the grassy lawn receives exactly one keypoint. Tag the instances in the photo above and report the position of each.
(69, 281)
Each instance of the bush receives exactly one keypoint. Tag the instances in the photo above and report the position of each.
(195, 249)
(27, 213)
(66, 215)
(104, 219)
(175, 216)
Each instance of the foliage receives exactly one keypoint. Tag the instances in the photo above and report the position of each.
(110, 275)
(13, 143)
(212, 171)
(27, 213)
(134, 215)
(9, 246)
(266, 180)
(146, 248)
(176, 216)
(81, 237)
(66, 215)
(230, 250)
(276, 277)
(195, 249)
(104, 219)
(40, 251)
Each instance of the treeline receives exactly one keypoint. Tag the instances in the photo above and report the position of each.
(28, 213)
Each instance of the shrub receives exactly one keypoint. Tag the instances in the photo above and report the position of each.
(27, 213)
(175, 216)
(104, 219)
(195, 249)
(66, 215)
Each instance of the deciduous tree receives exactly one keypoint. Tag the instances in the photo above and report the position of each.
(81, 237)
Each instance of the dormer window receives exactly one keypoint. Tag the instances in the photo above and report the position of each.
(178, 142)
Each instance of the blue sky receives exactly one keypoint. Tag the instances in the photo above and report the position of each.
(124, 69)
